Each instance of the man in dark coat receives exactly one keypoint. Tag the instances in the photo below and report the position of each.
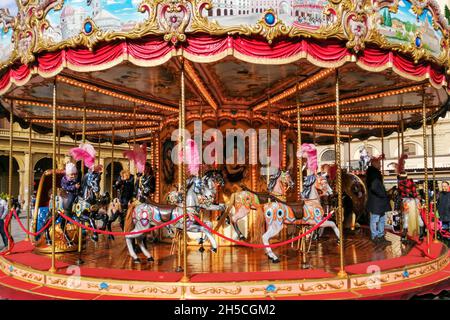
(377, 202)
(443, 205)
(125, 192)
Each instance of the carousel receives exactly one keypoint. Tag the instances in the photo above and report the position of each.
(191, 84)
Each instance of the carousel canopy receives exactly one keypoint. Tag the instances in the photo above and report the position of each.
(244, 61)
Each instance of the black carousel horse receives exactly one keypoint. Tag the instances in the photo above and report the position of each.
(85, 207)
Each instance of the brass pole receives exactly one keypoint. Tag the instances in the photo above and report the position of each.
(342, 272)
(83, 140)
(433, 150)
(53, 268)
(299, 147)
(183, 182)
(99, 150)
(398, 143)
(425, 163)
(402, 128)
(30, 180)
(112, 160)
(59, 149)
(382, 145)
(134, 137)
(349, 152)
(10, 169)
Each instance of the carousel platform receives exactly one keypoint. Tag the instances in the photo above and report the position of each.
(401, 272)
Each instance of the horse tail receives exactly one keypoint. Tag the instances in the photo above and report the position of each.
(227, 211)
(129, 225)
(260, 222)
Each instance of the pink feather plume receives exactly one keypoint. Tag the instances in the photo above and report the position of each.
(192, 158)
(401, 163)
(138, 155)
(310, 151)
(85, 152)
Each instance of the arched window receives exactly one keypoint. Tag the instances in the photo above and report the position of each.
(225, 12)
(218, 12)
(410, 149)
(328, 156)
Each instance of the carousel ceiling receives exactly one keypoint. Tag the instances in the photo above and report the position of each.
(245, 62)
(140, 100)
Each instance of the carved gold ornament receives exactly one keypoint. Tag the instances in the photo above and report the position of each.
(216, 290)
(355, 21)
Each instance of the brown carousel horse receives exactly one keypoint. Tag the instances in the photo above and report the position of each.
(242, 202)
(355, 195)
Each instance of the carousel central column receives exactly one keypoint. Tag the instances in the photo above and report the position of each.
(425, 166)
(53, 268)
(341, 272)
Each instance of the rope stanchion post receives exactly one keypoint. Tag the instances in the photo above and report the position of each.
(341, 272)
(53, 268)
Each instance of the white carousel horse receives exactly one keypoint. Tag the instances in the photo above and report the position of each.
(147, 215)
(277, 214)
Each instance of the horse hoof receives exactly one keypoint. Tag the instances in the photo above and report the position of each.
(242, 238)
(201, 249)
(201, 241)
(111, 237)
(150, 259)
(94, 238)
(275, 260)
(136, 261)
(214, 250)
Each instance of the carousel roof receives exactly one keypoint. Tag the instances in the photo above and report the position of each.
(390, 59)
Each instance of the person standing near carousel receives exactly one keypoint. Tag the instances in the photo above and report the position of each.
(125, 191)
(408, 203)
(443, 205)
(377, 201)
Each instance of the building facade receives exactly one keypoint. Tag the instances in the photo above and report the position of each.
(40, 159)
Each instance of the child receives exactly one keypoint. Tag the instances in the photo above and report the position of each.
(70, 185)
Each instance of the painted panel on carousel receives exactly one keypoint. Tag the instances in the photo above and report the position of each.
(405, 27)
(304, 14)
(83, 16)
(8, 10)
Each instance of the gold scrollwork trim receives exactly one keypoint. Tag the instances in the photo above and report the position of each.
(321, 286)
(216, 290)
(268, 292)
(153, 289)
(58, 281)
(370, 281)
(107, 288)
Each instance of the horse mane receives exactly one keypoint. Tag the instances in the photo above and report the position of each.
(273, 180)
(332, 173)
(307, 186)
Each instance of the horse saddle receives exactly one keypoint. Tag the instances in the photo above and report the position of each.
(297, 207)
(263, 197)
(165, 210)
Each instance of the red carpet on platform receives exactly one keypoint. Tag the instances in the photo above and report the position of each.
(35, 261)
(415, 256)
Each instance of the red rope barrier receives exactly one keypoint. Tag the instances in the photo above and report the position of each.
(6, 227)
(119, 233)
(34, 234)
(276, 245)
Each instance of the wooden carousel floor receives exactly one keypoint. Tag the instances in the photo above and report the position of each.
(324, 254)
